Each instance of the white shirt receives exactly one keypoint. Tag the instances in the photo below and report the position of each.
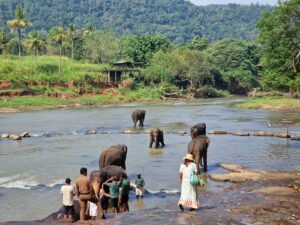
(67, 191)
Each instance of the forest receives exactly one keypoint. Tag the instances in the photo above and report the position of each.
(179, 20)
(69, 58)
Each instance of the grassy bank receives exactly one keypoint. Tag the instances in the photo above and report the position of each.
(272, 103)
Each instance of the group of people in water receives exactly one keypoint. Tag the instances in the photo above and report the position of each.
(90, 205)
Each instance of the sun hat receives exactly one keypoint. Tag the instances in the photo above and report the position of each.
(189, 157)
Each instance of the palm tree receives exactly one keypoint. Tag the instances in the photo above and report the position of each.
(59, 36)
(19, 23)
(35, 43)
(71, 35)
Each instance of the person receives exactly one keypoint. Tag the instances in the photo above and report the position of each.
(113, 185)
(92, 210)
(104, 199)
(124, 194)
(140, 184)
(188, 197)
(68, 191)
(86, 193)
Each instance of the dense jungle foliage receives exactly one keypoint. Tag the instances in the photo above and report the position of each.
(179, 20)
(75, 55)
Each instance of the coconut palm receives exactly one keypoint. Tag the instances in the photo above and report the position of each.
(19, 23)
(35, 43)
(71, 32)
(59, 35)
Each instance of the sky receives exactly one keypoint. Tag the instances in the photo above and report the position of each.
(244, 2)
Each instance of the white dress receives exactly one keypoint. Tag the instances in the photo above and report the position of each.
(189, 196)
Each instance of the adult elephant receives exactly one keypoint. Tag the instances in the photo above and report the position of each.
(198, 148)
(114, 155)
(198, 129)
(138, 115)
(98, 177)
(156, 137)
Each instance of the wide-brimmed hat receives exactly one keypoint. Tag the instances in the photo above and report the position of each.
(189, 157)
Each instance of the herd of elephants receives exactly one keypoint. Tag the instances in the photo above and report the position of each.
(112, 161)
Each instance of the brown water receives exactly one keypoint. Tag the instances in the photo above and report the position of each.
(32, 170)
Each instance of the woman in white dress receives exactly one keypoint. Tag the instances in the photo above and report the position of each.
(189, 196)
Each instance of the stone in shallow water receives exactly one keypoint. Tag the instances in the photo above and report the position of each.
(15, 137)
(4, 135)
(130, 132)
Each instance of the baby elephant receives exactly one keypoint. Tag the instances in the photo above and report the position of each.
(156, 137)
(138, 115)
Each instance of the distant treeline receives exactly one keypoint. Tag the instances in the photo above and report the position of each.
(179, 20)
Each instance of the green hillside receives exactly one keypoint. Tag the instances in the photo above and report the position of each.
(177, 19)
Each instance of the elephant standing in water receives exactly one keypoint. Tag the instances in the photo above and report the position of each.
(198, 129)
(98, 177)
(114, 155)
(156, 137)
(198, 148)
(138, 115)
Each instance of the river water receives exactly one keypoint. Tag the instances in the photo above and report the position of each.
(32, 170)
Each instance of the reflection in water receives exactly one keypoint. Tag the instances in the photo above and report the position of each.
(42, 162)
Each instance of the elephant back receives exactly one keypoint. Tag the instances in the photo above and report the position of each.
(114, 155)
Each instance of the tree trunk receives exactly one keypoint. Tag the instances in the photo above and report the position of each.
(19, 36)
(59, 67)
(72, 48)
(36, 57)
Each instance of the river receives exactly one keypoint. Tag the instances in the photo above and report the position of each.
(32, 170)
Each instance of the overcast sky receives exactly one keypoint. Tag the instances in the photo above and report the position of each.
(207, 2)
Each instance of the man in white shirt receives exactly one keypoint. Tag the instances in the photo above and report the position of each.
(68, 192)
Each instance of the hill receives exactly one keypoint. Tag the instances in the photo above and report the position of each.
(179, 20)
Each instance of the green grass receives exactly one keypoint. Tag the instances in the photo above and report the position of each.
(269, 102)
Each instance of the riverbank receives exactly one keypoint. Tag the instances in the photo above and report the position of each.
(270, 103)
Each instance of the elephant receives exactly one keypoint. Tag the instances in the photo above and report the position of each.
(138, 115)
(98, 177)
(198, 129)
(156, 137)
(114, 155)
(198, 148)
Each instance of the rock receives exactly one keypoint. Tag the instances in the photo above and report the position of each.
(15, 137)
(276, 190)
(181, 133)
(130, 132)
(25, 134)
(217, 132)
(263, 134)
(146, 131)
(240, 134)
(295, 138)
(295, 187)
(4, 135)
(282, 135)
(91, 132)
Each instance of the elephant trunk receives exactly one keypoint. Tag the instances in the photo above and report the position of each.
(96, 187)
(156, 142)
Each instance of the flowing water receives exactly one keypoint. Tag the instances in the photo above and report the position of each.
(32, 170)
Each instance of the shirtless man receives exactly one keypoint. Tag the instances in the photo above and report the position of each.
(85, 193)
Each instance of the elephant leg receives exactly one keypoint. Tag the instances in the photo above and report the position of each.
(142, 123)
(151, 142)
(205, 161)
(156, 143)
(96, 188)
(162, 141)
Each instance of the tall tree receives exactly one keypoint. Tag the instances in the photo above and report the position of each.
(71, 33)
(279, 35)
(35, 43)
(19, 23)
(59, 35)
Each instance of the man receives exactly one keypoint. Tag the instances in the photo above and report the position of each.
(140, 183)
(86, 193)
(67, 191)
(124, 194)
(114, 186)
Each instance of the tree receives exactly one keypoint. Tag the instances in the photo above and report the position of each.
(58, 35)
(199, 70)
(19, 23)
(237, 61)
(279, 35)
(35, 43)
(71, 33)
(198, 43)
(142, 48)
